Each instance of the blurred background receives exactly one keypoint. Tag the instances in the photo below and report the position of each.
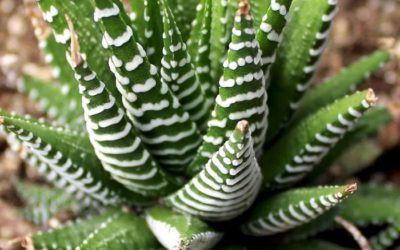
(358, 30)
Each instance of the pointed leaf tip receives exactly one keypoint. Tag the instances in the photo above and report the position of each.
(351, 188)
(76, 58)
(243, 126)
(371, 98)
(244, 8)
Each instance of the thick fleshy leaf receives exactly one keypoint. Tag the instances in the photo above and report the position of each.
(120, 231)
(293, 208)
(70, 158)
(177, 231)
(200, 45)
(310, 245)
(259, 7)
(269, 34)
(114, 139)
(221, 30)
(228, 184)
(303, 42)
(368, 125)
(179, 73)
(373, 205)
(112, 229)
(51, 99)
(156, 113)
(305, 145)
(81, 14)
(341, 84)
(43, 202)
(242, 94)
(386, 238)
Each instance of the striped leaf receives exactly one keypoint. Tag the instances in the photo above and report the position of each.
(293, 208)
(202, 50)
(164, 126)
(70, 158)
(368, 125)
(90, 34)
(43, 202)
(305, 145)
(228, 184)
(222, 23)
(269, 34)
(197, 24)
(178, 72)
(242, 92)
(310, 244)
(114, 139)
(365, 209)
(341, 84)
(51, 99)
(153, 29)
(386, 238)
(177, 231)
(303, 42)
(112, 229)
(259, 8)
(120, 231)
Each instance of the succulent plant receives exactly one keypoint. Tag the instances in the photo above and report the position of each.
(184, 123)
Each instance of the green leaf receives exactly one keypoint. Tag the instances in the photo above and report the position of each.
(364, 209)
(269, 34)
(70, 157)
(259, 8)
(228, 184)
(310, 244)
(200, 44)
(120, 231)
(320, 224)
(112, 229)
(242, 94)
(178, 72)
(177, 231)
(43, 202)
(341, 84)
(115, 141)
(164, 126)
(305, 145)
(221, 30)
(304, 40)
(153, 29)
(367, 126)
(52, 100)
(81, 14)
(386, 238)
(293, 208)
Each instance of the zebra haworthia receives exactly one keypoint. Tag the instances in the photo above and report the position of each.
(386, 238)
(269, 34)
(305, 145)
(68, 155)
(202, 48)
(228, 184)
(178, 72)
(115, 142)
(178, 231)
(298, 58)
(293, 208)
(164, 126)
(242, 93)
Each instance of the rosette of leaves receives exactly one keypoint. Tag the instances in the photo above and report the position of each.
(202, 130)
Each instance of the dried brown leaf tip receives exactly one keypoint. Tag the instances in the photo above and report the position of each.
(351, 188)
(76, 58)
(371, 98)
(244, 8)
(243, 126)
